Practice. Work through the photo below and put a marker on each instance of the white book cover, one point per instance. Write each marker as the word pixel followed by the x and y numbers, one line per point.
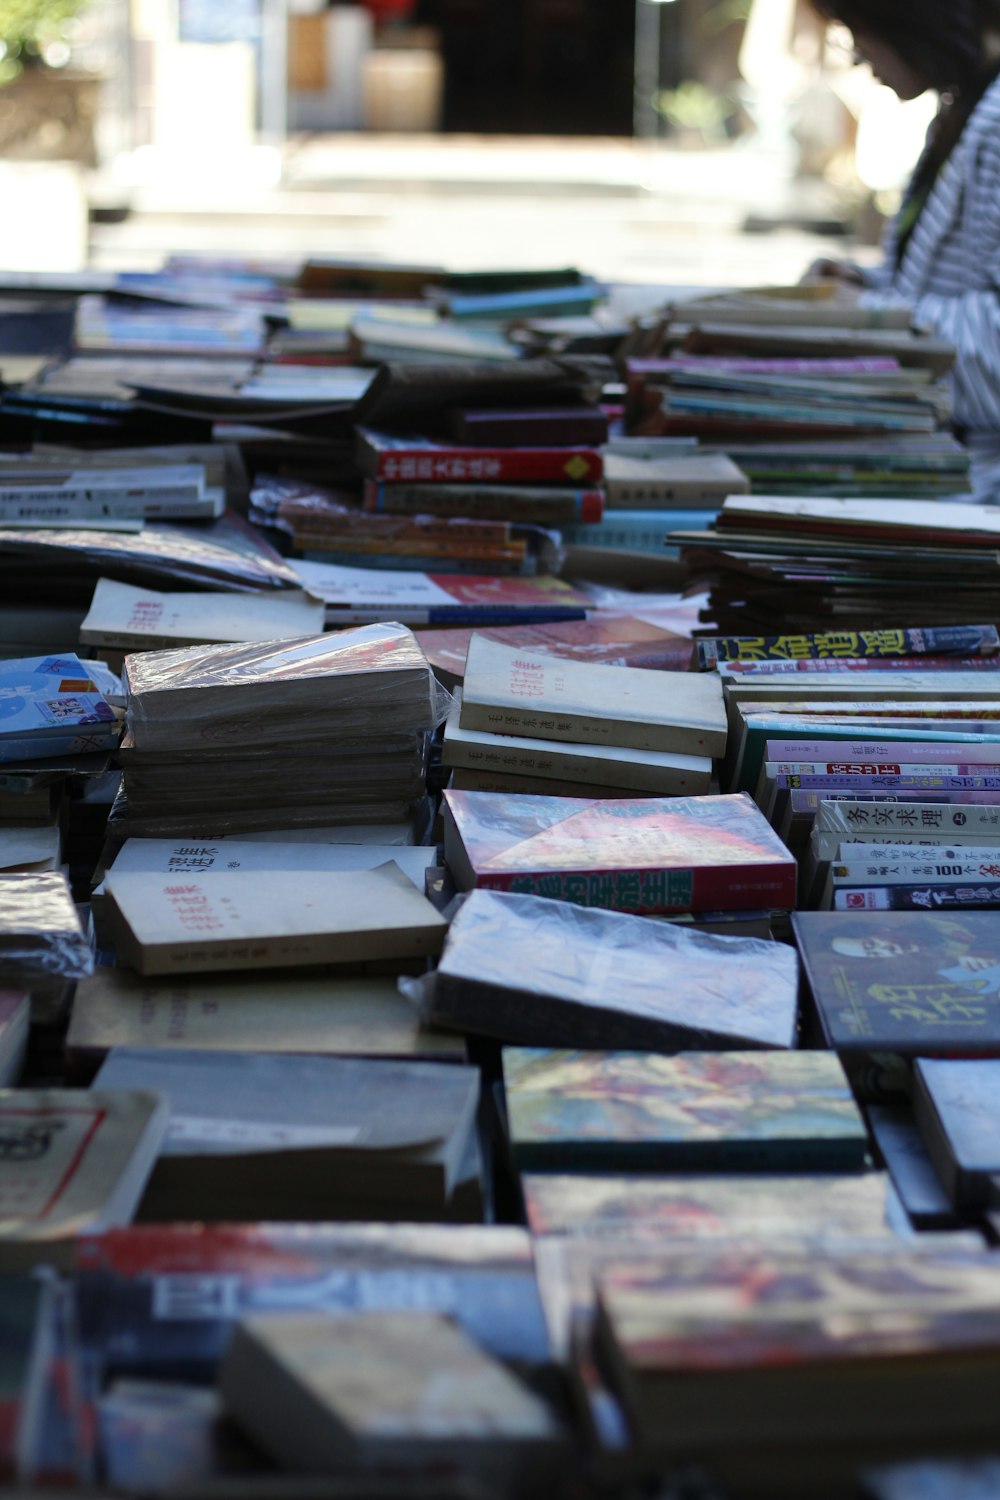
pixel 142 619
pixel 207 856
pixel 507 691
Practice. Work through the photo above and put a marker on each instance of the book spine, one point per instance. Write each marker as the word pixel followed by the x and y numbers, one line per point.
pixel 490 502
pixel 85 505
pixel 655 892
pixel 590 729
pixel 887 816
pixel 928 783
pixel 432 547
pixel 971 747
pixel 619 534
pixel 455 614
pixel 523 429
pixel 814 664
pixel 79 741
pixel 908 870
pixel 984 896
pixel 860 769
pixel 384 529
pixel 559 768
pixel 488 465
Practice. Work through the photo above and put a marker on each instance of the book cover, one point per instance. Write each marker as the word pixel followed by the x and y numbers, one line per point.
pixel 918 983
pixel 635 1111
pixel 625 641
pixel 962 896
pixel 352 595
pixel 258 919
pixel 364 1016
pixel 549 973
pixel 139 619
pixel 48 699
pixel 75 1161
pixel 644 855
pixel 516 692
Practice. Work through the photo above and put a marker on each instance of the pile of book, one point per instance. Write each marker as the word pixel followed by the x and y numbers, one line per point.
pixel 276 734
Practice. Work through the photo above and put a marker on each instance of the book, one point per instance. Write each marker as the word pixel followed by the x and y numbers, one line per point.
pixel 259 1135
pixel 909 983
pixel 535 972
pixel 960 896
pixel 696 1111
pixel 361 595
pixel 75 1161
pixel 51 705
pixel 143 1309
pixel 622 641
pixel 748 1350
pixel 211 693
pixel 688 481
pixel 644 855
pixel 33 849
pixel 359 1391
pixel 537 504
pixel 755 1206
pixel 958 640
pixel 136 619
pixel 15 1011
pixel 38 496
pixel 516 692
pixel 955 1105
pixel 43 945
pixel 656 772
pixel 538 427
pixel 362 1016
pixel 899 1144
pixel 27 1333
pixel 250 920
pixel 411 460
pixel 415 396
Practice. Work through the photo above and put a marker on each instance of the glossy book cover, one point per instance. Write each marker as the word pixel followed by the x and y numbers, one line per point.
pixel 913 982
pixel 629 854
pixel 636 1111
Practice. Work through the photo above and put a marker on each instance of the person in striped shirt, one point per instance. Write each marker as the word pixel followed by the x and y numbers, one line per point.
pixel 942 250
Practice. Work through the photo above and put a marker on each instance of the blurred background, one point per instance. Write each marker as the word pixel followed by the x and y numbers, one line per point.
pixel 690 141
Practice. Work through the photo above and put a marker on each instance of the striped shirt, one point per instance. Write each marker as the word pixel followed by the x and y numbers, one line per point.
pixel 950 275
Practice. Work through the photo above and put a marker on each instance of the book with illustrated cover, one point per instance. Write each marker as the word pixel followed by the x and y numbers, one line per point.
pixel 75 1161
pixel 507 691
pixel 752 1348
pixel 644 855
pixel 549 973
pixel 355 596
pixel 269 919
pixel 364 1016
pixel 913 983
pixel 639 1112
pixel 937 640
pixel 160 1300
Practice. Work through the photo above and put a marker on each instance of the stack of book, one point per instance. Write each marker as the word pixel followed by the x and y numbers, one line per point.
pixel 527 721
pixel 861 563
pixel 278 734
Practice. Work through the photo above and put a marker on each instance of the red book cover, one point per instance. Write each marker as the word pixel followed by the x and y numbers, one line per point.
pixel 648 855
pixel 408 459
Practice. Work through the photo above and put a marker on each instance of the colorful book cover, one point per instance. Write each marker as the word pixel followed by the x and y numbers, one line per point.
pixel 409 459
pixel 917 983
pixel 636 1111
pixel 48 696
pixel 643 855
pixel 941 640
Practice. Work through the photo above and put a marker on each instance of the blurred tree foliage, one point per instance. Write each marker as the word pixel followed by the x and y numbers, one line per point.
pixel 31 28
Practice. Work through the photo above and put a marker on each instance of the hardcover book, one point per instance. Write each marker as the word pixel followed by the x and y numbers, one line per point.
pixel 507 691
pixel 957 640
pixel 638 1112
pixel 261 919
pixel 643 855
pixel 912 983
pixel 411 459
pixel 548 973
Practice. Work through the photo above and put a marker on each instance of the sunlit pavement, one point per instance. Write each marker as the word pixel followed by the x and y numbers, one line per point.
pixel 627 211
